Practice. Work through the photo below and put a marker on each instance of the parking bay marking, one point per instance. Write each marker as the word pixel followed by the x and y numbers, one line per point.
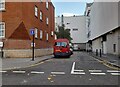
pixel 58 73
pixel 115 74
pixel 112 71
pixel 3 71
pixel 35 72
pixel 73 71
pixel 95 70
pixel 18 71
pixel 97 73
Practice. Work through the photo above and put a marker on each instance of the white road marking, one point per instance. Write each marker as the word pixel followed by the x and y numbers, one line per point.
pixel 78 70
pixel 73 66
pixel 18 71
pixel 57 72
pixel 95 70
pixel 73 71
pixel 80 73
pixel 116 74
pixel 112 71
pixel 97 73
pixel 3 71
pixel 35 72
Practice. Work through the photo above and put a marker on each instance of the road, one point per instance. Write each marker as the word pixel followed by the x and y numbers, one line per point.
pixel 79 69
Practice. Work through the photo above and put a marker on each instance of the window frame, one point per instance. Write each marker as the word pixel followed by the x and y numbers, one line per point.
pixel 36 33
pixel 2 4
pixel 2 30
pixel 47 36
pixel 47 20
pixel 36 11
pixel 41 15
pixel 47 4
pixel 41 34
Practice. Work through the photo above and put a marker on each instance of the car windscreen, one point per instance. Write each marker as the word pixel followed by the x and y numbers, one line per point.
pixel 63 44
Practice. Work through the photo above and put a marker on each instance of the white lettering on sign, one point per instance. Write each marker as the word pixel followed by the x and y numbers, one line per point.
pixel 32 44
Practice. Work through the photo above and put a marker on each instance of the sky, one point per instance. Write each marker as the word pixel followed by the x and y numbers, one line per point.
pixel 70 7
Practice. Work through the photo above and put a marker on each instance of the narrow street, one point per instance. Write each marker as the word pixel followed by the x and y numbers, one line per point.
pixel 79 69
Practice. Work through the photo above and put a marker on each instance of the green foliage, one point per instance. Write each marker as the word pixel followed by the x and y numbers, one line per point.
pixel 63 33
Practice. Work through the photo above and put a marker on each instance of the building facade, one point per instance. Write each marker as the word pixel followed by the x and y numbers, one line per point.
pixel 104 27
pixel 76 25
pixel 17 20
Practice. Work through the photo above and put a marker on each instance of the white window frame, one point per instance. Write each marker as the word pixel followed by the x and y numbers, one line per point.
pixel 36 33
pixel 41 34
pixel 47 21
pixel 2 5
pixel 47 4
pixel 52 33
pixel 36 11
pixel 41 15
pixel 2 30
pixel 47 36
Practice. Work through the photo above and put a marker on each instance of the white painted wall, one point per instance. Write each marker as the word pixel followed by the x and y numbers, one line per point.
pixel 103 17
pixel 96 44
pixel 77 22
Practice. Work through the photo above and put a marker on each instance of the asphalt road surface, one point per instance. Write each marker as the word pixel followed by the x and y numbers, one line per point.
pixel 79 69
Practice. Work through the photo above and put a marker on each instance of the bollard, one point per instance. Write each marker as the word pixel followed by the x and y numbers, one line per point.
pixel 100 53
pixel 96 52
pixel 2 53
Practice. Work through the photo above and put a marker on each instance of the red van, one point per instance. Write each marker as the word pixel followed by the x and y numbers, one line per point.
pixel 62 48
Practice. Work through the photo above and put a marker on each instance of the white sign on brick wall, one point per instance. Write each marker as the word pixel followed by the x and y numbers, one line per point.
pixel 1 44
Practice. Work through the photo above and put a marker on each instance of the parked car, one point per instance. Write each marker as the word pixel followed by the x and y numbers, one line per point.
pixel 62 48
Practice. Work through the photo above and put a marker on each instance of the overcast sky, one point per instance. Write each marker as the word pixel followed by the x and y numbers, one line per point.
pixel 70 7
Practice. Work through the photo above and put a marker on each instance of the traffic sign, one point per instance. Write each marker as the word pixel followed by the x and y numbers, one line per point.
pixel 32 32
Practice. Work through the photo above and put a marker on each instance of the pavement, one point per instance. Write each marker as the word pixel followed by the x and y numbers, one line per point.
pixel 108 58
pixel 17 63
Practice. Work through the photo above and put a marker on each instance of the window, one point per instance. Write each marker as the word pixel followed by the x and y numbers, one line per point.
pixel 2 5
pixel 114 47
pixel 63 44
pixel 36 11
pixel 104 38
pixel 52 33
pixel 36 33
pixel 75 29
pixel 40 0
pixel 47 21
pixel 47 36
pixel 47 4
pixel 41 34
pixel 40 15
pixel 2 29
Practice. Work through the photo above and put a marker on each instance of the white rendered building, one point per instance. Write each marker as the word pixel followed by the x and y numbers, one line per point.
pixel 105 27
pixel 76 25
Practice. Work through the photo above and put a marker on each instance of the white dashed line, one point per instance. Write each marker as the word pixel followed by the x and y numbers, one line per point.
pixel 3 71
pixel 78 70
pixel 97 73
pixel 112 71
pixel 95 70
pixel 79 73
pixel 57 72
pixel 18 71
pixel 35 72
pixel 115 74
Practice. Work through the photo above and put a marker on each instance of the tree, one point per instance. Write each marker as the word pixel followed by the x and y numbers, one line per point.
pixel 63 33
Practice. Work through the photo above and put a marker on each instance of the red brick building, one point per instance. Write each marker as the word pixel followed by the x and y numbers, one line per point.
pixel 16 20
